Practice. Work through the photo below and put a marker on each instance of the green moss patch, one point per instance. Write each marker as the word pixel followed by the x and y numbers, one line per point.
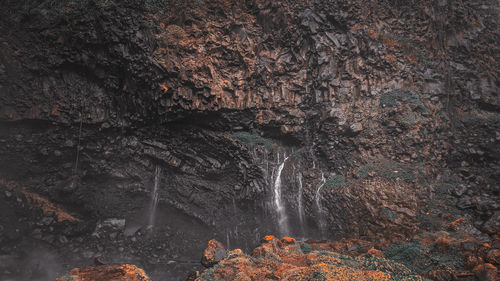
pixel 251 139
pixel 387 169
pixel 336 181
pixel 391 99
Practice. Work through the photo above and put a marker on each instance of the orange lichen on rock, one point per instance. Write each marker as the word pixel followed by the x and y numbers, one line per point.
pixel 442 244
pixel 214 252
pixel 120 272
pixel 236 252
pixel 268 237
pixel 338 273
pixel 164 87
pixel 375 253
pixel 47 207
pixel 289 240
pixel 291 260
pixel 453 226
pixel 41 202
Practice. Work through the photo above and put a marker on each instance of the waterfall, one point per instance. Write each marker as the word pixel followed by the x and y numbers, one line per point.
pixel 154 198
pixel 280 208
pixel 228 243
pixel 300 204
pixel 313 156
pixel 317 198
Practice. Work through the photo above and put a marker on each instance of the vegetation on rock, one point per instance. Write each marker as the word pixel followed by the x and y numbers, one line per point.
pixel 288 259
pixel 251 139
pixel 122 272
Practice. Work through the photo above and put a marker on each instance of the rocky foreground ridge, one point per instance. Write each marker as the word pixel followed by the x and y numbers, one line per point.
pixel 288 259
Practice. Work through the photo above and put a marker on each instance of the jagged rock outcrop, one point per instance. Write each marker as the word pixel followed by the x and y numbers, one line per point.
pixel 213 254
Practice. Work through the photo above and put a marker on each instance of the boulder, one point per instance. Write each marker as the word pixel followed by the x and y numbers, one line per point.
pixel 214 253
pixel 486 272
pixel 119 272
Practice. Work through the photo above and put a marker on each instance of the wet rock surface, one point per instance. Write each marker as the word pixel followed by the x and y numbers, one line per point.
pixel 387 111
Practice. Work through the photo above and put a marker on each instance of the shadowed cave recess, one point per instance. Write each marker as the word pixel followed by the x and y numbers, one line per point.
pixel 133 132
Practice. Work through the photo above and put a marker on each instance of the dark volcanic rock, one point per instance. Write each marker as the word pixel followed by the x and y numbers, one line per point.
pixel 388 112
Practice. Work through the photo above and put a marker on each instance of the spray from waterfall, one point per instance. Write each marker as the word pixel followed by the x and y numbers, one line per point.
pixel 155 196
pixel 321 215
pixel 280 208
pixel 75 170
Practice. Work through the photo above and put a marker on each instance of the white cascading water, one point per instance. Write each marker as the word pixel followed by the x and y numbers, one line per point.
pixel 155 196
pixel 280 208
pixel 300 204
pixel 317 198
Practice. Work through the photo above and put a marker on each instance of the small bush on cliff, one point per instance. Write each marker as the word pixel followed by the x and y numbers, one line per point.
pixel 398 271
pixel 68 277
pixel 424 59
pixel 364 170
pixel 390 99
pixel 410 254
pixel 388 214
pixel 209 274
pixel 318 276
pixel 387 169
pixel 327 253
pixel 423 259
pixel 251 139
pixel 306 248
pixel 336 181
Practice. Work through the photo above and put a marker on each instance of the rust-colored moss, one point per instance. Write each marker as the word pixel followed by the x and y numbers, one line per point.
pixel 38 201
pixel 289 240
pixel 453 226
pixel 121 272
pixel 164 88
pixel 269 237
pixel 284 260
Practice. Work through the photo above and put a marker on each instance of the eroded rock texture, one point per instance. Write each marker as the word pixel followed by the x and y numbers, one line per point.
pixel 388 112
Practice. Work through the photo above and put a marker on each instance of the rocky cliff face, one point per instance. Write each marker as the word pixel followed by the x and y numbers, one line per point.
pixel 388 113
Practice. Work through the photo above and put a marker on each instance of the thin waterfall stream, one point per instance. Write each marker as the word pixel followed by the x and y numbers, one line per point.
pixel 300 204
pixel 280 208
pixel 154 198
pixel 317 198
pixel 288 184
